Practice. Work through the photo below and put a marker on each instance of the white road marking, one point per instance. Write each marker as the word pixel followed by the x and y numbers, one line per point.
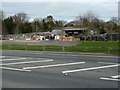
pixel 54 65
pixel 87 69
pixel 16 59
pixel 15 69
pixel 108 56
pixel 12 59
pixel 97 56
pixel 28 62
pixel 2 56
pixel 65 54
pixel 101 56
pixel 117 76
pixel 110 79
pixel 107 63
pixel 83 55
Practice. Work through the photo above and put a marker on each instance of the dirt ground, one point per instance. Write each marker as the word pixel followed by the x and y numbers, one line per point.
pixel 33 42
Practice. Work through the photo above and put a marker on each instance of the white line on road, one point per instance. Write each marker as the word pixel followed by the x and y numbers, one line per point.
pixel 83 55
pixel 13 59
pixel 87 69
pixel 110 79
pixel 101 56
pixel 107 63
pixel 19 59
pixel 27 62
pixel 2 56
pixel 55 65
pixel 117 76
pixel 15 69
pixel 108 56
pixel 97 56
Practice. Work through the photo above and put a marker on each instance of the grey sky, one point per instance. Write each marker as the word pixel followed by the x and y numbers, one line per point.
pixel 61 10
pixel 60 0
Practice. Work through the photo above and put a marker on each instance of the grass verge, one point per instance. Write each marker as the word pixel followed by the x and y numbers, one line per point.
pixel 92 47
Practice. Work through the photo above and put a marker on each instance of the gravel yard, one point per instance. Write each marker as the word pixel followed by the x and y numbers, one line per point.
pixel 47 43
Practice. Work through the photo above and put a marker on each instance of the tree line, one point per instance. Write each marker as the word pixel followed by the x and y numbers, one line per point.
pixel 19 23
pixel 89 21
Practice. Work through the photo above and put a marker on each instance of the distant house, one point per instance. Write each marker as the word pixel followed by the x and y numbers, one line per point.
pixel 114 36
pixel 57 32
pixel 70 31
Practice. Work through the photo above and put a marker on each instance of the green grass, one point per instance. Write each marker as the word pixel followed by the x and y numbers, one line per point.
pixel 32 47
pixel 96 47
pixel 99 44
pixel 92 47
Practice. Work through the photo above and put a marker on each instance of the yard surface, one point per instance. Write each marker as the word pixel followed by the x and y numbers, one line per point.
pixel 40 43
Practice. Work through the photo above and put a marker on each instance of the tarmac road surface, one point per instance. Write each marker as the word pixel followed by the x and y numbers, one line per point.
pixel 31 69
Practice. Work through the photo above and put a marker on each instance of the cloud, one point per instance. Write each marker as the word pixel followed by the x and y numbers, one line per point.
pixel 60 0
pixel 62 10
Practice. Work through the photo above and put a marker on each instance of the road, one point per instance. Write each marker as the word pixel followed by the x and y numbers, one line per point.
pixel 33 69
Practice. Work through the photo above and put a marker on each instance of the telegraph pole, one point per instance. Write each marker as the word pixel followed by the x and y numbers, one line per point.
pixel 119 13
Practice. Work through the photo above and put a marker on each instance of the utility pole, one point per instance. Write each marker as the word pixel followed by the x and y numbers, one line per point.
pixel 119 13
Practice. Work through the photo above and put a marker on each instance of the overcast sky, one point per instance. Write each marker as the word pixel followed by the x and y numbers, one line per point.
pixel 60 0
pixel 61 9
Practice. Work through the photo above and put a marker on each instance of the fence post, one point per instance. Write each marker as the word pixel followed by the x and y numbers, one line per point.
pixel 63 48
pixel 9 46
pixel 25 46
pixel 108 49
pixel 43 48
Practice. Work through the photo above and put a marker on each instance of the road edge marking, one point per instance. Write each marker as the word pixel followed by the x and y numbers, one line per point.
pixel 15 69
pixel 110 79
pixel 12 59
pixel 49 60
pixel 88 69
pixel 107 63
pixel 54 65
pixel 116 76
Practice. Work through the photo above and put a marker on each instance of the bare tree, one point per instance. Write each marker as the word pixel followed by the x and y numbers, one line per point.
pixel 88 22
pixel 90 16
pixel 114 20
pixel 19 19
pixel 37 24
pixel 60 24
pixel 85 20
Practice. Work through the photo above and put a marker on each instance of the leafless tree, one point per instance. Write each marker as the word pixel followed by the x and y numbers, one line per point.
pixel 90 15
pixel 19 19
